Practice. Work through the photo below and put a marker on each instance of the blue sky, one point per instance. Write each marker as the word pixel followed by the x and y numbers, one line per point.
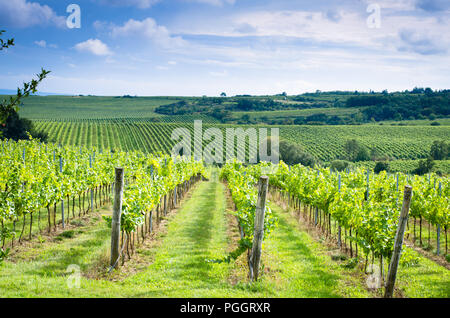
pixel 204 47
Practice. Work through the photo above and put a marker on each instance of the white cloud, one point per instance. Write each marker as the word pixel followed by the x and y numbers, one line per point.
pixel 400 5
pixel 142 4
pixel 22 14
pixel 218 3
pixel 148 29
pixel 41 43
pixel 219 74
pixel 94 46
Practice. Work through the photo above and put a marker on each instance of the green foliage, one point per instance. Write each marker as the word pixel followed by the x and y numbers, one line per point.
pixel 293 154
pixel 374 218
pixel 5 44
pixel 16 128
pixel 4 254
pixel 425 166
pixel 409 259
pixel 355 151
pixel 31 178
pixel 67 234
pixel 439 150
pixel 381 166
pixel 10 105
pixel 242 184
pixel 339 165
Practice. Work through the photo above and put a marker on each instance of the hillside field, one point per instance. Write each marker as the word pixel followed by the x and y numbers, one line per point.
pixel 132 124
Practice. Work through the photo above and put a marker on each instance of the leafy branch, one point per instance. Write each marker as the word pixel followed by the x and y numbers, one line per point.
pixel 8 106
pixel 8 43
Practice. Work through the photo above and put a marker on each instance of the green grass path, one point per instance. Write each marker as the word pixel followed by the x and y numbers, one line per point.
pixel 303 267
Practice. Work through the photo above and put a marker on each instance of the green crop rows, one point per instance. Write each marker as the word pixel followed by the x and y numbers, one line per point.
pixel 325 142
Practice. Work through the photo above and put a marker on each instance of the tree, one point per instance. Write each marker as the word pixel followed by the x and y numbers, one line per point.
pixel 18 128
pixel 293 154
pixel 439 150
pixel 355 151
pixel 363 154
pixel 339 165
pixel 425 166
pixel 10 106
pixel 351 148
pixel 381 166
pixel 223 94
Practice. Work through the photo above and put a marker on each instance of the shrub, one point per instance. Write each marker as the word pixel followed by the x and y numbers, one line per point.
pixel 381 166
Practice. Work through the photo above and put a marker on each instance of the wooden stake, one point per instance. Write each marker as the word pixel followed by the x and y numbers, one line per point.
pixel 258 233
pixel 117 212
pixel 398 242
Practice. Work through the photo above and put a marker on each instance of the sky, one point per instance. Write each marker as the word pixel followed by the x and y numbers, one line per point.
pixel 205 47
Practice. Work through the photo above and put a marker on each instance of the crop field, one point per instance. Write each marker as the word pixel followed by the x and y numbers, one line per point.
pixel 407 165
pixel 325 142
pixel 281 114
pixel 399 142
pixel 91 107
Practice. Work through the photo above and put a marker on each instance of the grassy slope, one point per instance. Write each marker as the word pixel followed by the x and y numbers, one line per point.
pixel 325 142
pixel 90 107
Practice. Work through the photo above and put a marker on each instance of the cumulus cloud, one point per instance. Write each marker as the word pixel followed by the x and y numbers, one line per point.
pixel 333 15
pixel 94 46
pixel 22 14
pixel 218 3
pixel 421 43
pixel 41 43
pixel 245 28
pixel 142 4
pixel 150 30
pixel 433 5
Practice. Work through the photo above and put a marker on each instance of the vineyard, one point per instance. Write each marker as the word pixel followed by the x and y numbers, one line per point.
pixel 324 142
pixel 47 188
pixel 357 202
pixel 36 177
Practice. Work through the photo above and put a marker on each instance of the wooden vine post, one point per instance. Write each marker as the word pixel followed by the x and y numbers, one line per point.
pixel 389 291
pixel 258 234
pixel 117 212
pixel 62 199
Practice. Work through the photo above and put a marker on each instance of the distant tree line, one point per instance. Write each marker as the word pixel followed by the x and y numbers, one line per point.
pixel 418 103
pixel 428 104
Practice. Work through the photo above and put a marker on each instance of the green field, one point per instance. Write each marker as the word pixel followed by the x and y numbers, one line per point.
pixel 131 124
pixel 91 107
pixel 283 114
pixel 324 142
